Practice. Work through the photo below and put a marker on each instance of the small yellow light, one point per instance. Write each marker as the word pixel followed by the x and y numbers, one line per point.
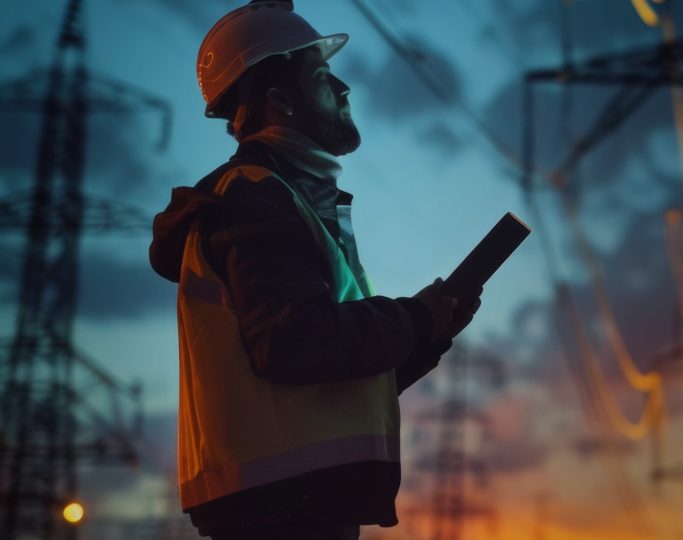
pixel 73 512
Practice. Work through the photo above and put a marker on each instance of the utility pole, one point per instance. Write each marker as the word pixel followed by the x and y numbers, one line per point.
pixel 48 423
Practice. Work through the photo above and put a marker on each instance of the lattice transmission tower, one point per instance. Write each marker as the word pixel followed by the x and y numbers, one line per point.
pixel 57 407
pixel 459 475
pixel 634 76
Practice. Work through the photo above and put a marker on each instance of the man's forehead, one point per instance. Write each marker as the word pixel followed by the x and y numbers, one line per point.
pixel 314 57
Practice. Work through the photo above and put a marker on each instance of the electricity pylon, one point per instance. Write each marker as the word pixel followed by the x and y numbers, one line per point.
pixel 49 424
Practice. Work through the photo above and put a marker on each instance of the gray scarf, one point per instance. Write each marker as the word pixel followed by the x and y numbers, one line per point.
pixel 301 151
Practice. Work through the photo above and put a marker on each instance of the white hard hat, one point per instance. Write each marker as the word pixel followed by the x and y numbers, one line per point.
pixel 249 34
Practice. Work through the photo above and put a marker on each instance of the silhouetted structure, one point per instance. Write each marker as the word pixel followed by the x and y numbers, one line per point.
pixel 44 415
pixel 450 463
pixel 636 75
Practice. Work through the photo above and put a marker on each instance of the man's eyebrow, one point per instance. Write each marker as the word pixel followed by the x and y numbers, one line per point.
pixel 320 66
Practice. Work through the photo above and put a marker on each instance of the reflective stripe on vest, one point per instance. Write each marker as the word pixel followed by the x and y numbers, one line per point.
pixel 236 430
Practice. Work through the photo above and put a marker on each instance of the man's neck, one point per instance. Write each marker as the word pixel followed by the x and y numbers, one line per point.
pixel 300 151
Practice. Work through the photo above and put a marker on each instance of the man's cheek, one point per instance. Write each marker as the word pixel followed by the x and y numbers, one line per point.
pixel 326 100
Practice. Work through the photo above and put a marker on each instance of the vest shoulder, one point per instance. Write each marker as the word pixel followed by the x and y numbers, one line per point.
pixel 249 200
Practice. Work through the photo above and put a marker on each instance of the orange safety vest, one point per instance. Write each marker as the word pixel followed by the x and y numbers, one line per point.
pixel 236 430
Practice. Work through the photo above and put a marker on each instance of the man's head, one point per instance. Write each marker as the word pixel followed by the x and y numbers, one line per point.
pixel 264 65
pixel 299 92
pixel 321 110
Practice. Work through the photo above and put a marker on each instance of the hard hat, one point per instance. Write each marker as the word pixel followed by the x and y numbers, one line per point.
pixel 249 34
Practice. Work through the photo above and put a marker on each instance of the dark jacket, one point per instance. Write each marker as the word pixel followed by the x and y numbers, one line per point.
pixel 293 329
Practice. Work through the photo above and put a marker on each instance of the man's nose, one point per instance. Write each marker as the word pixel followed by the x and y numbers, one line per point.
pixel 341 87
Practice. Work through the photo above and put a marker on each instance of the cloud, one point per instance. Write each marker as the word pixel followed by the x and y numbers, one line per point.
pixel 20 38
pixel 513 443
pixel 589 447
pixel 109 287
pixel 555 126
pixel 118 166
pixel 442 138
pixel 622 191
pixel 199 15
pixel 563 113
pixel 156 456
pixel 594 27
pixel 120 497
pixel 18 147
pixel 397 93
pixel 119 151
pixel 115 288
pixel 639 285
pixel 401 7
pixel 514 456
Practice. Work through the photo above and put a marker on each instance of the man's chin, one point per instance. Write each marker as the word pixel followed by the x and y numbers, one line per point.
pixel 339 137
pixel 345 140
pixel 347 146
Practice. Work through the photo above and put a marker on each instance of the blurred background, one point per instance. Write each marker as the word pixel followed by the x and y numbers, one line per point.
pixel 559 412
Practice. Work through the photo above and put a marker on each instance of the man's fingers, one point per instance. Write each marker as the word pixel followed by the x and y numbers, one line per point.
pixel 469 305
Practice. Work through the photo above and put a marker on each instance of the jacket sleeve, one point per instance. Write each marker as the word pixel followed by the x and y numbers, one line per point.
pixel 420 363
pixel 292 327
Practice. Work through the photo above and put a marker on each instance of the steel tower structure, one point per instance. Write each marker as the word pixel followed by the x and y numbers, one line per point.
pixel 447 461
pixel 48 424
pixel 636 75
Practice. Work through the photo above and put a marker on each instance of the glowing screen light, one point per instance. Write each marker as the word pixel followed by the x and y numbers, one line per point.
pixel 73 512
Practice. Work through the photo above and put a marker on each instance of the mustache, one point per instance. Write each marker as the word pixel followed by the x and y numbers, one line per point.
pixel 343 102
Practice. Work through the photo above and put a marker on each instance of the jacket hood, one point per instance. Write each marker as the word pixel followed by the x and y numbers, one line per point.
pixel 172 226
pixel 191 204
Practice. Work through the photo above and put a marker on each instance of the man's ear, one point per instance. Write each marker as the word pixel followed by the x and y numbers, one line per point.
pixel 280 101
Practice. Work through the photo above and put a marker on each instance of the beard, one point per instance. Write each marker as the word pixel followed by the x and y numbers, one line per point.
pixel 339 138
pixel 333 131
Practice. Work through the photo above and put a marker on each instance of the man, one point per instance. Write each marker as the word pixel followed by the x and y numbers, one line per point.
pixel 290 365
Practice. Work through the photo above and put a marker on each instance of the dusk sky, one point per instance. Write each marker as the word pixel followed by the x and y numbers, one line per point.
pixel 429 180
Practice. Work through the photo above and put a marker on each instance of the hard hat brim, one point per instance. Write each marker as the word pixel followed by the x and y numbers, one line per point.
pixel 331 45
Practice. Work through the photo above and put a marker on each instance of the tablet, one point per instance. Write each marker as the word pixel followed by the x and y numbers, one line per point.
pixel 483 261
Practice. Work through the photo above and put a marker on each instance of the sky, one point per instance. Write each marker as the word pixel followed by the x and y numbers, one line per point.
pixel 429 180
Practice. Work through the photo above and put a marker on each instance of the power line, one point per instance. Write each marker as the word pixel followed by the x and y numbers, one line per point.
pixel 414 60
pixel 604 405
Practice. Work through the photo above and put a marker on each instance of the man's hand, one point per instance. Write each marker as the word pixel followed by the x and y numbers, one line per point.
pixel 464 312
pixel 451 315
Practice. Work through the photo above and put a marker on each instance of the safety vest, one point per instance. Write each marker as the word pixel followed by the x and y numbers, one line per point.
pixel 236 430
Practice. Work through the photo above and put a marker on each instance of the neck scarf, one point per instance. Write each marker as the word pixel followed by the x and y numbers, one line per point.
pixel 300 151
